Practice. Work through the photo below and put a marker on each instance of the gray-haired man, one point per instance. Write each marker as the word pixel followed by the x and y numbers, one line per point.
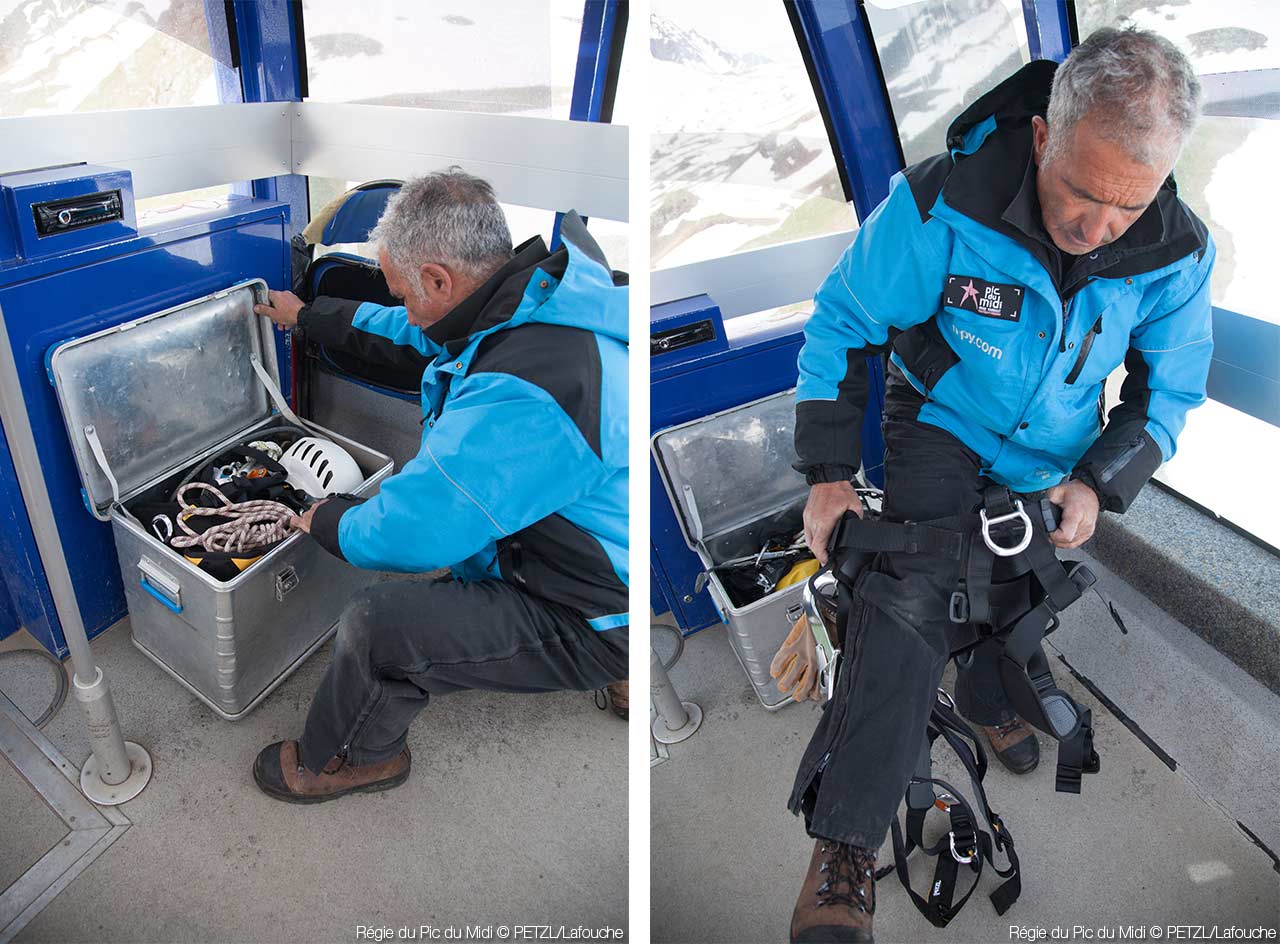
pixel 519 485
pixel 1010 276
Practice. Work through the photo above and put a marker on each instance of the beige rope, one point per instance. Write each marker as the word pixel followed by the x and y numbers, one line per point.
pixel 252 524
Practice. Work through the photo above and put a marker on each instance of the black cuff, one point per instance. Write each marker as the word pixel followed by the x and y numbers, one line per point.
pixel 324 523
pixel 1118 469
pixel 327 320
pixel 1085 477
pixel 822 474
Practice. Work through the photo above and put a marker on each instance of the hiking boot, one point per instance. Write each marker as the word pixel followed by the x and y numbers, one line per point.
pixel 280 774
pixel 838 897
pixel 619 698
pixel 1015 744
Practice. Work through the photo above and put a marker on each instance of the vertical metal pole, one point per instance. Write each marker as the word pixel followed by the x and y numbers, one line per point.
pixel 844 68
pixel 677 720
pixel 1049 28
pixel 595 80
pixel 115 771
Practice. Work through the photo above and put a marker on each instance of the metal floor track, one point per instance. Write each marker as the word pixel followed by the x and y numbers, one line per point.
pixel 91 829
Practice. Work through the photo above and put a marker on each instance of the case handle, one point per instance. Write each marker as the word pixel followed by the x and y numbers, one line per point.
pixel 95 445
pixel 159 584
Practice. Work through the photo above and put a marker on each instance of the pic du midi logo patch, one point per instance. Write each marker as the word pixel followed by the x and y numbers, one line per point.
pixel 989 299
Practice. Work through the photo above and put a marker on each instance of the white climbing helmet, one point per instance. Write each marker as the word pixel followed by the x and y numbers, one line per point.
pixel 320 467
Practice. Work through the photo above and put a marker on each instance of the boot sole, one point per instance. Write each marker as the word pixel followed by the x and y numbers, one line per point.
pixel 1026 769
pixel 376 786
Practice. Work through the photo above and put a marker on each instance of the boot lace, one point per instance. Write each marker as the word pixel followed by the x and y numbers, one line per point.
pixel 850 872
pixel 1010 726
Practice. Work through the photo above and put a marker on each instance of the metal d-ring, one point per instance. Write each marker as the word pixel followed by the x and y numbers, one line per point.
pixel 955 853
pixel 1018 514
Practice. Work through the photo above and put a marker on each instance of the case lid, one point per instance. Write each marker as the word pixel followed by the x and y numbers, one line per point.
pixel 731 468
pixel 153 394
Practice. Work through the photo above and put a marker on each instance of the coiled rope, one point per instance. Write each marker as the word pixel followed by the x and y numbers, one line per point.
pixel 251 524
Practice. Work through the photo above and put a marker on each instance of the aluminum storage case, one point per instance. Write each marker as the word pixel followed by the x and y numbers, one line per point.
pixel 153 397
pixel 730 480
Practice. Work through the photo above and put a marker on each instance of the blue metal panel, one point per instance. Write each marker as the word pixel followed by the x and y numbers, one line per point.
pixel 8 618
pixel 44 303
pixel 22 191
pixel 680 314
pixel 22 585
pixel 1049 28
pixel 841 55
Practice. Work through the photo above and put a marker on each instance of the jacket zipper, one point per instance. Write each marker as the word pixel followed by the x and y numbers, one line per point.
pixel 1062 341
pixel 1112 468
pixel 1085 346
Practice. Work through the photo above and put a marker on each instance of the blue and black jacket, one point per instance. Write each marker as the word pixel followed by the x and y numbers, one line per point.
pixel 522 471
pixel 1010 340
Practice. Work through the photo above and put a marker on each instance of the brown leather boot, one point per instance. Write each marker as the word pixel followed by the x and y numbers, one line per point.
pixel 619 698
pixel 838 897
pixel 1015 744
pixel 280 774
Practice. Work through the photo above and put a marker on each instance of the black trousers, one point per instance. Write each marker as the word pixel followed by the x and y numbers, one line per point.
pixel 855 770
pixel 403 641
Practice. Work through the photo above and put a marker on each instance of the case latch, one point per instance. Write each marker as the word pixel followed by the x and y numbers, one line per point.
pixel 286 580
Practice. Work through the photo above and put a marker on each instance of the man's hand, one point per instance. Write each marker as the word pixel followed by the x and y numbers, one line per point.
pixel 828 501
pixel 303 523
pixel 283 309
pixel 1079 504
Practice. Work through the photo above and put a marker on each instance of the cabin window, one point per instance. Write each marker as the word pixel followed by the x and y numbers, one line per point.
pixel 104 55
pixel 491 56
pixel 1223 36
pixel 739 153
pixel 938 56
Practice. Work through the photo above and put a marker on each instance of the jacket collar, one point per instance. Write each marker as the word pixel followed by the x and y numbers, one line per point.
pixel 494 300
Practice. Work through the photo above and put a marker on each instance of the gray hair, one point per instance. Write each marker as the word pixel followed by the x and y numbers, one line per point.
pixel 450 218
pixel 1137 88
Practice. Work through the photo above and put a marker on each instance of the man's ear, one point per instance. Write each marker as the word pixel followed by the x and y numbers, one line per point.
pixel 1039 138
pixel 437 281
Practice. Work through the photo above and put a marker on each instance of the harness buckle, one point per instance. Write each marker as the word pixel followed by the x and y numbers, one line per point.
pixel 958 611
pixel 1018 514
pixel 969 855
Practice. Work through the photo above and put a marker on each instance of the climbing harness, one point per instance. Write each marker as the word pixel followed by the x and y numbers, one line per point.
pixel 975 834
pixel 1018 610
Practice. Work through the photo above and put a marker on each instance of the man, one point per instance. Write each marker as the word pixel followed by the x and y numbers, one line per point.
pixel 520 484
pixel 1010 276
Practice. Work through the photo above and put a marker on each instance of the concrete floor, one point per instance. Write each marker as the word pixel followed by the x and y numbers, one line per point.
pixel 1142 845
pixel 516 812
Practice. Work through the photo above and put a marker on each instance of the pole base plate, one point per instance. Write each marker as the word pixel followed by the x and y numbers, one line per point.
pixel 113 794
pixel 664 735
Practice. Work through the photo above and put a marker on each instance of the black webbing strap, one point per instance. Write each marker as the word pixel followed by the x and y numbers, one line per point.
pixel 944 537
pixel 941 905
pixel 1076 756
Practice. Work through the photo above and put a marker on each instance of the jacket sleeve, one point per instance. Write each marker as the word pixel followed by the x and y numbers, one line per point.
pixel 378 335
pixel 1168 368
pixel 502 456
pixel 889 279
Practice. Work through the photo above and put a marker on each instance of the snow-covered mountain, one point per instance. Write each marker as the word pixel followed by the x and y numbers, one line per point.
pixel 670 42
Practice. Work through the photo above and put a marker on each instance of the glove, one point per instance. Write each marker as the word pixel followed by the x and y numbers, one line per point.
pixel 795 667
